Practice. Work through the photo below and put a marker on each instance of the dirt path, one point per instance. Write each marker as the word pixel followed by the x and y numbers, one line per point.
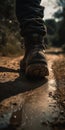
pixel 32 105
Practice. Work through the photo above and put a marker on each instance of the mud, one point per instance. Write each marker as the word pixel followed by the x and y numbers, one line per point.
pixel 32 105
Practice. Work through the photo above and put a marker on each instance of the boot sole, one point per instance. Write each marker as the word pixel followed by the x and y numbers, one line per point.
pixel 37 70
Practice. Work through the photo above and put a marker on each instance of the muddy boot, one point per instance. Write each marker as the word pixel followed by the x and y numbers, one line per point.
pixel 34 63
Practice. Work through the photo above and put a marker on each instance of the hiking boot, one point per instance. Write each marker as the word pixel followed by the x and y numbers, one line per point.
pixel 34 63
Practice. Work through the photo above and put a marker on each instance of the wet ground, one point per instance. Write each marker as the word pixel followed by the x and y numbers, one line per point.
pixel 32 104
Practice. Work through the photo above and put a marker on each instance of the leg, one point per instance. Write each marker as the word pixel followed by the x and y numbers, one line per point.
pixel 30 17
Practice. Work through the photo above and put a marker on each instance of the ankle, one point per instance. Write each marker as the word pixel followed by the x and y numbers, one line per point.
pixel 34 40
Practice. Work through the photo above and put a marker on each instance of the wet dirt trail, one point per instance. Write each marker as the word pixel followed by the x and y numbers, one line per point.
pixel 32 105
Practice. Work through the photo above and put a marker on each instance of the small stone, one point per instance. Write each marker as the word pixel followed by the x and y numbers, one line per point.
pixel 14 103
pixel 62 112
pixel 15 116
pixel 64 102
pixel 50 94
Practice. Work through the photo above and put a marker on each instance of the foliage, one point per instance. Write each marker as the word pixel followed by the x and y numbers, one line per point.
pixel 10 38
pixel 56 25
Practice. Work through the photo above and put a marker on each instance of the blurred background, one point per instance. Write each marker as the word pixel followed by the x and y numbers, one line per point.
pixel 54 17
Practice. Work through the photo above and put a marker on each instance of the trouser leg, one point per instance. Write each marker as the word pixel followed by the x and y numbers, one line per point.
pixel 30 16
